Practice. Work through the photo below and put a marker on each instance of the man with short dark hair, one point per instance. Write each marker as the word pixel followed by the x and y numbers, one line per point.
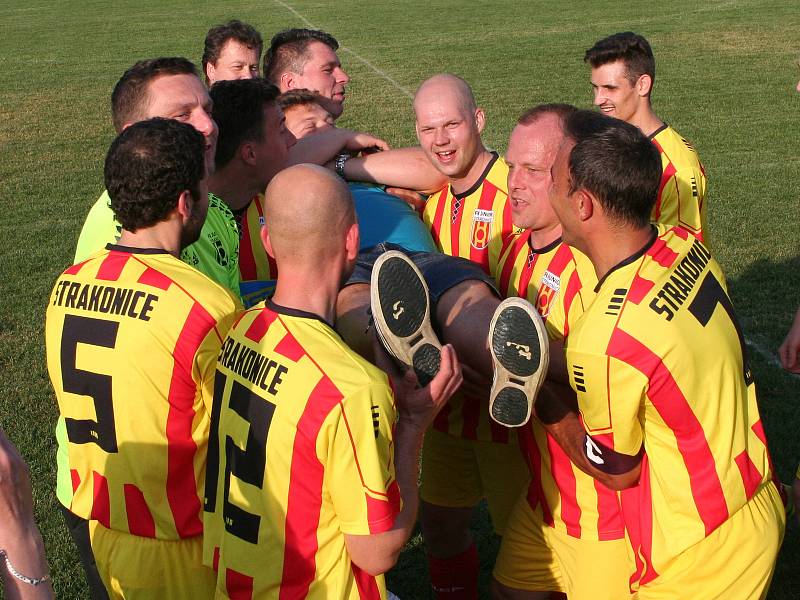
pixel 623 75
pixel 253 147
pixel 132 336
pixel 307 59
pixel 231 51
pixel 668 411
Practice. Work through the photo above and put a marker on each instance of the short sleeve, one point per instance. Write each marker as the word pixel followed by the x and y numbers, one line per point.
pixel 610 396
pixel 359 466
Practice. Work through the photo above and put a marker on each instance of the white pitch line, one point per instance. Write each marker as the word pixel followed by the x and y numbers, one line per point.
pixel 770 357
pixel 355 55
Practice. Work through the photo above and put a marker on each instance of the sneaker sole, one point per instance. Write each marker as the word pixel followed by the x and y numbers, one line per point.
pixel 520 352
pixel 401 309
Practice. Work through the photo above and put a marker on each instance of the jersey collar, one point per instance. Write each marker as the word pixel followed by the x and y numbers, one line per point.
pixel 653 135
pixel 632 258
pixel 131 250
pixel 483 176
pixel 294 312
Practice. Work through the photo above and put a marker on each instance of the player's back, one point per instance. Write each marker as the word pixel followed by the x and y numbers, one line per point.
pixel 303 456
pixel 682 192
pixel 128 332
pixel 662 346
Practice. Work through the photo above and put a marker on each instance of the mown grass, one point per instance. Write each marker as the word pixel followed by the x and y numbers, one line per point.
pixel 726 77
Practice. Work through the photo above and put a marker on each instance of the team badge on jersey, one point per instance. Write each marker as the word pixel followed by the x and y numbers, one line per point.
pixel 551 284
pixel 481 228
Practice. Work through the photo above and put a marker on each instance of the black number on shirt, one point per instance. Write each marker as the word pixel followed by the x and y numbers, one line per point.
pixel 247 465
pixel 97 332
pixel 710 294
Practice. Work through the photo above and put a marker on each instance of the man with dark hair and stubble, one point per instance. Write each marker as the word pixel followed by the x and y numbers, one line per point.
pixel 623 75
pixel 668 410
pixel 307 59
pixel 169 87
pixel 231 51
pixel 132 336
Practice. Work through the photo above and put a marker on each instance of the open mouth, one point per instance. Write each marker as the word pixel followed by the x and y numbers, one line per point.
pixel 446 156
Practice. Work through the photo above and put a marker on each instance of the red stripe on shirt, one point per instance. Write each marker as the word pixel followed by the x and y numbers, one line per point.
pixel 238 585
pixel 182 495
pixel 470 416
pixel 640 287
pixel 247 259
pixel 481 255
pixel 260 325
pixel 436 224
pixel 112 266
pixel 367 584
pixel 637 511
pixel 504 279
pixel 564 476
pixel 525 277
pixel 610 525
pixel 74 269
pixel 101 505
pixel 76 479
pixel 574 286
pixel 533 457
pixel 667 175
pixel 290 348
pixel 661 253
pixel 305 493
pixel 155 279
pixel 508 227
pixel 455 227
pixel 140 519
pixel 751 478
pixel 690 438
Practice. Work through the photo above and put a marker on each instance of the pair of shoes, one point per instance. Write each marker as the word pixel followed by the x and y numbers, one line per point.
pixel 517 337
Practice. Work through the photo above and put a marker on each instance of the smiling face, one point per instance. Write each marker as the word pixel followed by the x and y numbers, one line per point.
pixel 614 94
pixel 236 61
pixel 448 130
pixel 532 149
pixel 322 73
pixel 184 98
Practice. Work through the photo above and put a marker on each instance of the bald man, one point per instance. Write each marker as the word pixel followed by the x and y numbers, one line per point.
pixel 312 483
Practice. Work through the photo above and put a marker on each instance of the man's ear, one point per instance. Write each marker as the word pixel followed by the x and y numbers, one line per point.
pixel 265 239
pixel 585 204
pixel 352 241
pixel 480 119
pixel 247 153
pixel 185 205
pixel 286 81
pixel 211 71
pixel 644 85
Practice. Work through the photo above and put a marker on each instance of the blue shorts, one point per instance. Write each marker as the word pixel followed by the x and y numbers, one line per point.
pixel 441 272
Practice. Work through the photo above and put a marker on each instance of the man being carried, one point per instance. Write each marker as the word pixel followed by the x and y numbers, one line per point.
pixel 668 410
pixel 132 336
pixel 313 459
pixel 231 51
pixel 623 74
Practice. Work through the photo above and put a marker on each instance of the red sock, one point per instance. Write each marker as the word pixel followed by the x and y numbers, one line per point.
pixel 455 578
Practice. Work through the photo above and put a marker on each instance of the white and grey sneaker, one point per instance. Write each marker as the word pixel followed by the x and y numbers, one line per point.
pixel 521 353
pixel 401 308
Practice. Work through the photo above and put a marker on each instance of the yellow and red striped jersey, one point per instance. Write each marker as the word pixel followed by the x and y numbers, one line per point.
pixel 682 192
pixel 658 361
pixel 132 338
pixel 257 269
pixel 475 224
pixel 302 454
pixel 559 281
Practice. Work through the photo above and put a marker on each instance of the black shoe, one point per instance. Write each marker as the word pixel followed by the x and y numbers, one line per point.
pixel 521 353
pixel 401 309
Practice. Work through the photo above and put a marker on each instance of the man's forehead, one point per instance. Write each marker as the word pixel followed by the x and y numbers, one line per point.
pixel 320 52
pixel 176 89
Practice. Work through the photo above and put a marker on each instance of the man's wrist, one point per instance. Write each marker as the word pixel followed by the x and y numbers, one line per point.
pixel 339 164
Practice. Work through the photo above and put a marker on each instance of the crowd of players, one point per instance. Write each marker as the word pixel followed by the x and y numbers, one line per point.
pixel 570 351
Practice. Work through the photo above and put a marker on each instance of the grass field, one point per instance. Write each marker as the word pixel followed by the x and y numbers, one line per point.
pixel 726 76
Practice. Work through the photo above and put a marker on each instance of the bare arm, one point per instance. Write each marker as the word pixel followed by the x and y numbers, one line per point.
pixel 19 536
pixel 377 553
pixel 323 147
pixel 557 409
pixel 402 167
pixel 790 348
